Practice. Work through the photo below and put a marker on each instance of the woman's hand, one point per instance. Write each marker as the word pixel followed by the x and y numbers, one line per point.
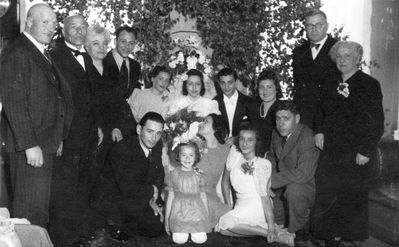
pixel 319 140
pixel 361 159
pixel 271 235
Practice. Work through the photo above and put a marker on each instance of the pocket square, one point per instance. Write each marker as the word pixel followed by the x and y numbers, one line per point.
pixel 245 117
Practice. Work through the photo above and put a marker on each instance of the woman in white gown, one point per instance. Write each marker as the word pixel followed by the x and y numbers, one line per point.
pixel 193 91
pixel 249 175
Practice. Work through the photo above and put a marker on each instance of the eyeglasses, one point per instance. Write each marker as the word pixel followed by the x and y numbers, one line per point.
pixel 316 26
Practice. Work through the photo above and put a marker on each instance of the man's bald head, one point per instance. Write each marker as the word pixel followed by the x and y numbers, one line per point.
pixel 41 22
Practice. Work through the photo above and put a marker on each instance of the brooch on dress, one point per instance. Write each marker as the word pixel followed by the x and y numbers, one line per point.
pixel 248 168
pixel 197 171
pixel 343 89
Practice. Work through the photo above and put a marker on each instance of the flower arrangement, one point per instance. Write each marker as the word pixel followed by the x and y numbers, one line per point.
pixel 188 56
pixel 197 171
pixel 248 168
pixel 343 89
pixel 181 127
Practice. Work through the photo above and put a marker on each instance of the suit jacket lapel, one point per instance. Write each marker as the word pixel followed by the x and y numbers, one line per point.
pixel 41 61
pixel 291 141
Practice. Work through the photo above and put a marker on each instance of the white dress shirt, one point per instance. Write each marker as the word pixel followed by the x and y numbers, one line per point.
pixel 230 104
pixel 315 51
pixel 79 58
pixel 37 44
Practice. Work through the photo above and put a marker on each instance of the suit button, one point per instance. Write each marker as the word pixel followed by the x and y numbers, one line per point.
pixel 62 115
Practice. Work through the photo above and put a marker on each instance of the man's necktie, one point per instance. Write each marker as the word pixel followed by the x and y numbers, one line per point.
pixel 314 45
pixel 46 53
pixel 76 52
pixel 283 141
pixel 149 157
pixel 124 74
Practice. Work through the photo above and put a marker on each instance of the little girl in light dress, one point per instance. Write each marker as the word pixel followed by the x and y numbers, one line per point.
pixel 249 175
pixel 187 210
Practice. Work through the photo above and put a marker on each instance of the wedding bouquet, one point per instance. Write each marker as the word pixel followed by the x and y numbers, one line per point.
pixel 181 127
pixel 188 56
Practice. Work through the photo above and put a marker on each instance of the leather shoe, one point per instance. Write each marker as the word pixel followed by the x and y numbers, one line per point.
pixel 119 236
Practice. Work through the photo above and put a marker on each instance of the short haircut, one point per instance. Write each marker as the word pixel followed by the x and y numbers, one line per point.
pixel 287 105
pixel 188 144
pixel 248 126
pixel 127 29
pixel 269 74
pixel 159 69
pixel 226 72
pixel 153 116
pixel 219 126
pixel 355 47
pixel 69 18
pixel 94 30
pixel 314 12
pixel 194 72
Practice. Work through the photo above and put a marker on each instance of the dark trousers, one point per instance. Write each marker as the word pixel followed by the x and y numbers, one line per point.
pixel 293 204
pixel 341 208
pixel 70 215
pixel 31 188
pixel 143 223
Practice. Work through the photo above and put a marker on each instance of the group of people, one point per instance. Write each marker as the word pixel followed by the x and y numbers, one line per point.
pixel 84 139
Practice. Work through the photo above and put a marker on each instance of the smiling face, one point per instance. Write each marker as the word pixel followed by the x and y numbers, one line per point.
pixel 347 60
pixel 316 27
pixel 267 90
pixel 41 23
pixel 96 46
pixel 247 143
pixel 125 43
pixel 286 122
pixel 150 133
pixel 228 85
pixel 187 157
pixel 74 31
pixel 194 86
pixel 161 82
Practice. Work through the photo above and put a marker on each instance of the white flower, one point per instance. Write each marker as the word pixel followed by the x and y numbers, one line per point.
pixel 192 62
pixel 180 57
pixel 184 77
pixel 343 89
pixel 207 70
pixel 172 64
pixel 172 125
pixel 192 39
pixel 201 58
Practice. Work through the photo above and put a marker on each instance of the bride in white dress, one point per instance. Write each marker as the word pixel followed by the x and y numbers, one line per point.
pixel 193 91
pixel 249 175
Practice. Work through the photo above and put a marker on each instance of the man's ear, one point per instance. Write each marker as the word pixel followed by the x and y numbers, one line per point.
pixel 138 129
pixel 297 118
pixel 29 22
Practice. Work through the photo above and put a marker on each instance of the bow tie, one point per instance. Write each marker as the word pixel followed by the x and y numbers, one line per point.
pixel 314 45
pixel 76 52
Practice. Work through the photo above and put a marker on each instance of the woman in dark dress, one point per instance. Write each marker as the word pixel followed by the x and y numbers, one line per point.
pixel 348 128
pixel 269 91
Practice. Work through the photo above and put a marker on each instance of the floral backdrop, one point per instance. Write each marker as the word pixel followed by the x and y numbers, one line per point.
pixel 246 35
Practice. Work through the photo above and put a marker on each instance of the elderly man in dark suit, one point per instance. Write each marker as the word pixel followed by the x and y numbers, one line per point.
pixel 312 66
pixel 294 157
pixel 234 106
pixel 124 73
pixel 130 195
pixel 72 170
pixel 38 106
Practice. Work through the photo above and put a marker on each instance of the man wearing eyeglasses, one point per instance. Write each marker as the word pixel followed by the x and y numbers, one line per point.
pixel 312 66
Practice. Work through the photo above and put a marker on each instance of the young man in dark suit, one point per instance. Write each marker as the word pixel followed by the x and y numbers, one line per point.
pixel 130 194
pixel 124 73
pixel 312 66
pixel 38 105
pixel 294 158
pixel 233 105
pixel 72 170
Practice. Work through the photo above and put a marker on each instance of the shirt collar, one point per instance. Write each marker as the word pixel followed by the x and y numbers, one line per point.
pixel 38 45
pixel 233 98
pixel 145 149
pixel 321 42
pixel 74 47
pixel 118 58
